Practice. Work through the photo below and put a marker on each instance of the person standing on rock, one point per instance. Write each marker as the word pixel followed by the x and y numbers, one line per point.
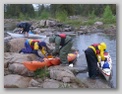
pixel 24 27
pixel 35 47
pixel 63 44
pixel 94 54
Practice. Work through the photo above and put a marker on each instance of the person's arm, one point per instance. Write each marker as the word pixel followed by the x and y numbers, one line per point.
pixel 57 45
pixel 102 54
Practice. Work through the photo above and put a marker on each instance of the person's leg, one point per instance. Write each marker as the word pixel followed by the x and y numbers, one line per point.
pixel 91 62
pixel 64 53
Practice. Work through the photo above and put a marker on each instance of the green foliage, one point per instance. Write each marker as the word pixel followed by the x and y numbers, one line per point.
pixel 61 16
pixel 19 10
pixel 89 22
pixel 21 16
pixel 42 73
pixel 108 17
pixel 65 85
pixel 75 23
pixel 92 15
pixel 45 15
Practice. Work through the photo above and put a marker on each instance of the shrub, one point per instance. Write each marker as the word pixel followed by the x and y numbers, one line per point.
pixel 92 15
pixel 108 17
pixel 41 73
pixel 61 16
pixel 45 15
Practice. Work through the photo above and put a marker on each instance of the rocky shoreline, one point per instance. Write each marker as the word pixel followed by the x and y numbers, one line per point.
pixel 17 76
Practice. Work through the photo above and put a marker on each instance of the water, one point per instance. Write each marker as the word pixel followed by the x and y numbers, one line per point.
pixel 83 41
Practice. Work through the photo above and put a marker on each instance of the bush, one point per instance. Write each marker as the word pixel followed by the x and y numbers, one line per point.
pixel 92 15
pixel 61 16
pixel 108 17
pixel 75 23
pixel 45 15
pixel 42 73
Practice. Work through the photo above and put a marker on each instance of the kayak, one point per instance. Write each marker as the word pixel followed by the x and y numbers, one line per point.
pixel 47 62
pixel 31 35
pixel 105 67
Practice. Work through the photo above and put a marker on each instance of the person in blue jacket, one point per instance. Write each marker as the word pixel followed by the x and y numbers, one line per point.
pixel 24 27
pixel 33 46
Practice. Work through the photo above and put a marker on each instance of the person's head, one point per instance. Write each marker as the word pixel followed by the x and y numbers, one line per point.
pixel 42 44
pixel 18 25
pixel 52 39
pixel 103 45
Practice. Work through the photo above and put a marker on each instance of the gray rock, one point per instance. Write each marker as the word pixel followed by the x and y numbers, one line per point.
pixel 61 73
pixel 16 81
pixel 50 83
pixel 33 83
pixel 18 58
pixel 16 44
pixel 18 68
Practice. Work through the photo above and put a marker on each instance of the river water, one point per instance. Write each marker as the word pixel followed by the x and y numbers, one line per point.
pixel 81 43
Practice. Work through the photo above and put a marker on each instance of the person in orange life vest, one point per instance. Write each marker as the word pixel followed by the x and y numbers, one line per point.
pixel 63 44
pixel 94 54
pixel 33 46
pixel 24 27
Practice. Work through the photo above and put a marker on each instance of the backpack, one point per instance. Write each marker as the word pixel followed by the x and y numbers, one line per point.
pixel 63 37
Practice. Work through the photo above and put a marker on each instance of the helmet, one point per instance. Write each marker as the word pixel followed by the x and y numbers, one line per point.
pixel 103 45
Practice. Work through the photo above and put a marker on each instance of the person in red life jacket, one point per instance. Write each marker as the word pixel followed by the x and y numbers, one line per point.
pixel 94 54
pixel 63 44
pixel 24 27
pixel 34 46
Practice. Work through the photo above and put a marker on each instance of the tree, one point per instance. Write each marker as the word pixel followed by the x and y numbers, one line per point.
pixel 14 10
pixel 108 15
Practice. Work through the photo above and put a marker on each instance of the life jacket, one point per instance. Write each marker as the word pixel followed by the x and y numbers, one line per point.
pixel 63 37
pixel 96 48
pixel 33 42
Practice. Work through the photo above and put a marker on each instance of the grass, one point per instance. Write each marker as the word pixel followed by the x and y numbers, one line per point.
pixel 41 73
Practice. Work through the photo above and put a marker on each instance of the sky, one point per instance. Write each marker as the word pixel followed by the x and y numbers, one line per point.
pixel 36 6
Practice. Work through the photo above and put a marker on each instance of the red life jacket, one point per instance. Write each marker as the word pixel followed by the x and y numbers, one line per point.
pixel 62 36
pixel 96 48
pixel 32 43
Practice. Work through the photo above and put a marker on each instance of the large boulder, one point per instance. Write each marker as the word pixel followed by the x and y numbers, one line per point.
pixel 34 83
pixel 51 83
pixel 16 44
pixel 50 23
pixel 18 68
pixel 18 58
pixel 43 23
pixel 62 74
pixel 16 81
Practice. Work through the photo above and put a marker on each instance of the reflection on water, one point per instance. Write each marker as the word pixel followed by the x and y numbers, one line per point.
pixel 83 41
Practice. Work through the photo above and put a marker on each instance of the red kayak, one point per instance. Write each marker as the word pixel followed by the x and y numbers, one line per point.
pixel 47 62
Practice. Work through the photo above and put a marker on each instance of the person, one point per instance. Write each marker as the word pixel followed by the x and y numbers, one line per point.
pixel 63 44
pixel 24 27
pixel 35 46
pixel 94 54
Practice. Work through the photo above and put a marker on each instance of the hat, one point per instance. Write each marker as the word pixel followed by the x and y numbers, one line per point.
pixel 42 43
